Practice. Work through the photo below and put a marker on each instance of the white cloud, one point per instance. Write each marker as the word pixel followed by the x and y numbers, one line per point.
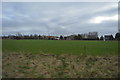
pixel 100 19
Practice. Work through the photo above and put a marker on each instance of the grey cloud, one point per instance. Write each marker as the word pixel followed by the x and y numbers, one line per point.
pixel 56 18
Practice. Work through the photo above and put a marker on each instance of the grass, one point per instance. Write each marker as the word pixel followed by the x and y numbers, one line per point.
pixel 57 59
pixel 60 66
pixel 61 47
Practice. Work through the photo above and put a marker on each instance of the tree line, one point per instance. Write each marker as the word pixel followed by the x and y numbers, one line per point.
pixel 19 36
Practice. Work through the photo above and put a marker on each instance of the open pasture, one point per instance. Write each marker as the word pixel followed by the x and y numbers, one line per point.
pixel 59 59
pixel 76 47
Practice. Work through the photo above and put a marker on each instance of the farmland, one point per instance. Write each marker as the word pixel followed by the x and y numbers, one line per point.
pixel 61 47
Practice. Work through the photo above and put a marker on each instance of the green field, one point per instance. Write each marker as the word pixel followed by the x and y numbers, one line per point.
pixel 61 47
pixel 19 60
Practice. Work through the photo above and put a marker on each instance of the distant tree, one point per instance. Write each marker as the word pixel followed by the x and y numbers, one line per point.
pixel 65 38
pixel 79 37
pixel 61 37
pixel 36 36
pixel 40 37
pixel 31 36
pixel 112 38
pixel 75 37
pixel 101 38
pixel 117 36
pixel 26 37
pixel 97 38
pixel 18 36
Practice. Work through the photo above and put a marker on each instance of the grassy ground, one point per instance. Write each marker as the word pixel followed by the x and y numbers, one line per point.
pixel 61 47
pixel 59 59
pixel 21 65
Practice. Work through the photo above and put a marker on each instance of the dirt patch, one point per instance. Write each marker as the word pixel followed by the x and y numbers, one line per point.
pixel 21 65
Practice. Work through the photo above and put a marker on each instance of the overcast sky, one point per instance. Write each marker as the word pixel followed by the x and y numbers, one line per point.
pixel 59 18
